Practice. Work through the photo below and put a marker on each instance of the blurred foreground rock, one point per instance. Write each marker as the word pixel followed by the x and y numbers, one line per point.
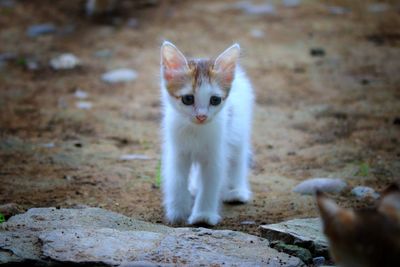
pixel 305 233
pixel 93 236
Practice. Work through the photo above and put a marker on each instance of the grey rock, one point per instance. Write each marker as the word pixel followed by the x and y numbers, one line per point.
pixel 362 192
pixel 104 53
pixel 41 29
pixel 119 75
pixel 318 261
pixel 305 233
pixel 7 56
pixel 338 10
pixel 65 61
pixel 328 185
pixel 378 7
pixel 45 236
pixel 291 3
pixel 255 9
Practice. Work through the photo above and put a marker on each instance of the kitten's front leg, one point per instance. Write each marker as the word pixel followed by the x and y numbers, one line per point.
pixel 177 198
pixel 205 209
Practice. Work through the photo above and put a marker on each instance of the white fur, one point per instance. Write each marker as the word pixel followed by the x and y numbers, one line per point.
pixel 215 155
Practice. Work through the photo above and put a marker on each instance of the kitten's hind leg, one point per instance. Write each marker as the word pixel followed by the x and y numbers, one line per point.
pixel 236 187
pixel 177 198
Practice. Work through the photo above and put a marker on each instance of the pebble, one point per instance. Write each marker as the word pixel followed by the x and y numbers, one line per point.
pixel 65 61
pixel 247 222
pixel 362 192
pixel 252 9
pixel 32 65
pixel 104 53
pixel 329 185
pixel 84 105
pixel 291 3
pixel 338 10
pixel 119 75
pixel 317 52
pixel 377 8
pixel 133 23
pixel 319 261
pixel 257 33
pixel 80 94
pixel 7 56
pixel 41 29
pixel 134 157
pixel 47 145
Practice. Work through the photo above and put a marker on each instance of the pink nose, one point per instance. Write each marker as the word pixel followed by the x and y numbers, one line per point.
pixel 201 118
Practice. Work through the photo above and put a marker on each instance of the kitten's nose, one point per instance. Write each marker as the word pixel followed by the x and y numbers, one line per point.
pixel 201 118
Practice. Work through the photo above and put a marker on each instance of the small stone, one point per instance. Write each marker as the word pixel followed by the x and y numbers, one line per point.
pixel 134 157
pixel 254 9
pixel 362 192
pixel 396 121
pixel 80 94
pixel 41 29
pixel 317 52
pixel 257 33
pixel 248 222
pixel 32 65
pixel 291 3
pixel 319 261
pixel 84 105
pixel 104 53
pixel 338 10
pixel 7 56
pixel 328 185
pixel 119 75
pixel 133 23
pixel 68 178
pixel 48 145
pixel 365 81
pixel 65 61
pixel 377 8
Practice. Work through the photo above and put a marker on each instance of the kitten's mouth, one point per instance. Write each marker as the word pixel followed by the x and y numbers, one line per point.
pixel 200 122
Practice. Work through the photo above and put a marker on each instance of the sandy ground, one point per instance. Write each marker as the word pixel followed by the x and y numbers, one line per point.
pixel 332 115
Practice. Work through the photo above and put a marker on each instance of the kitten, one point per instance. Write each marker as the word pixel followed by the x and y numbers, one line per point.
pixel 367 238
pixel 207 113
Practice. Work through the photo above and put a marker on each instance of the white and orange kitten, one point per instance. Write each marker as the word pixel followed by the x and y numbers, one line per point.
pixel 207 114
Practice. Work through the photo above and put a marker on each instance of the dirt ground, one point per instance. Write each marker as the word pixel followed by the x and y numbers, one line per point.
pixel 332 114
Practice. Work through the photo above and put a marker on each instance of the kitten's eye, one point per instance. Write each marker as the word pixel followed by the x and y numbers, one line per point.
pixel 188 100
pixel 215 100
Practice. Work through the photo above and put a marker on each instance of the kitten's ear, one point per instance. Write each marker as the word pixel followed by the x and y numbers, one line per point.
pixel 389 205
pixel 330 211
pixel 173 62
pixel 225 64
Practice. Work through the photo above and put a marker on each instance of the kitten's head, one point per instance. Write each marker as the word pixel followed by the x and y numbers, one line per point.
pixel 366 237
pixel 198 88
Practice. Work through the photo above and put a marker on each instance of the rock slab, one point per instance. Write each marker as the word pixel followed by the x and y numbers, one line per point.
pixel 305 233
pixel 93 236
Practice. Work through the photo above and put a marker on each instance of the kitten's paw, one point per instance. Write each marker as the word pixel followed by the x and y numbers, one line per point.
pixel 177 216
pixel 204 218
pixel 237 196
